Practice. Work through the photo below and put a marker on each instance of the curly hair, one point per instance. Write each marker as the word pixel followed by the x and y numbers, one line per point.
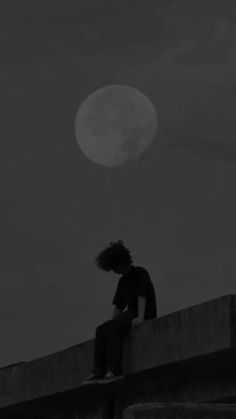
pixel 114 255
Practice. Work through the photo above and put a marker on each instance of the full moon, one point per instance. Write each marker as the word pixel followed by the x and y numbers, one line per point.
pixel 115 124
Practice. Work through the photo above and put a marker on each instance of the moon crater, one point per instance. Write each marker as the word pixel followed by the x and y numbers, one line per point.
pixel 115 124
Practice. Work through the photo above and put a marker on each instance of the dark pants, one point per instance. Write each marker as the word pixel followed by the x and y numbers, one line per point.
pixel 109 342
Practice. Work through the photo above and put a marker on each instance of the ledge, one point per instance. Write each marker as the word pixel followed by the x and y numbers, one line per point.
pixel 180 410
pixel 181 338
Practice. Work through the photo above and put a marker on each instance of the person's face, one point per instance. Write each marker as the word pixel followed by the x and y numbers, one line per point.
pixel 121 269
pixel 118 269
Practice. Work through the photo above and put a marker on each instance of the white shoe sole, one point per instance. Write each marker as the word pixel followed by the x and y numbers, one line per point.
pixel 108 380
pixel 102 380
pixel 91 381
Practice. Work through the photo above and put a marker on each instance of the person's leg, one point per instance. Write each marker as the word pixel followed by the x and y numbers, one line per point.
pixel 100 349
pixel 117 330
pixel 100 354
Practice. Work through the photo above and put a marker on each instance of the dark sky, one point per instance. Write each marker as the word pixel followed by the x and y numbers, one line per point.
pixel 174 207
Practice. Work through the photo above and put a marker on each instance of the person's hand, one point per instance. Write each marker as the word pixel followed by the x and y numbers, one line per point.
pixel 137 321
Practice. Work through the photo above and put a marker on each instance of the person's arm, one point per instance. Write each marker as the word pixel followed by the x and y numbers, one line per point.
pixel 141 294
pixel 141 311
pixel 118 301
pixel 116 312
pixel 141 307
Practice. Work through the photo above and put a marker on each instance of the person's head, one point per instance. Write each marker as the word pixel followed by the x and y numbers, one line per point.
pixel 116 258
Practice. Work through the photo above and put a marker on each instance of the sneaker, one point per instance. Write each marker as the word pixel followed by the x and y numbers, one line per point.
pixel 111 376
pixel 93 378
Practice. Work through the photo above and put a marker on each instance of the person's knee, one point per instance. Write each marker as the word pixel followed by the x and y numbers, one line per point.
pixel 103 326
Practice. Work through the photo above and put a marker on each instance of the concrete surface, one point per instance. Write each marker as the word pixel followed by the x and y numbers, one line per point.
pixel 194 332
pixel 199 336
pixel 180 411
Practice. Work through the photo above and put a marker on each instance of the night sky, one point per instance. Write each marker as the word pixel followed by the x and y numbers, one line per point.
pixel 174 207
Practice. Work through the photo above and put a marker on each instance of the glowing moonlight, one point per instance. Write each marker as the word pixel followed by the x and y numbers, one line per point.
pixel 115 124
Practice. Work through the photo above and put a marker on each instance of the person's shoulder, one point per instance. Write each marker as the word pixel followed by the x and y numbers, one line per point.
pixel 142 271
pixel 140 268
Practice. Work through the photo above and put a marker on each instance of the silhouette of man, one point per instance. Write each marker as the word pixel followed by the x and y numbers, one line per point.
pixel 134 302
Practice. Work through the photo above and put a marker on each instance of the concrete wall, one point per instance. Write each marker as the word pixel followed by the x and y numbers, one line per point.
pixel 180 411
pixel 196 331
pixel 185 356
